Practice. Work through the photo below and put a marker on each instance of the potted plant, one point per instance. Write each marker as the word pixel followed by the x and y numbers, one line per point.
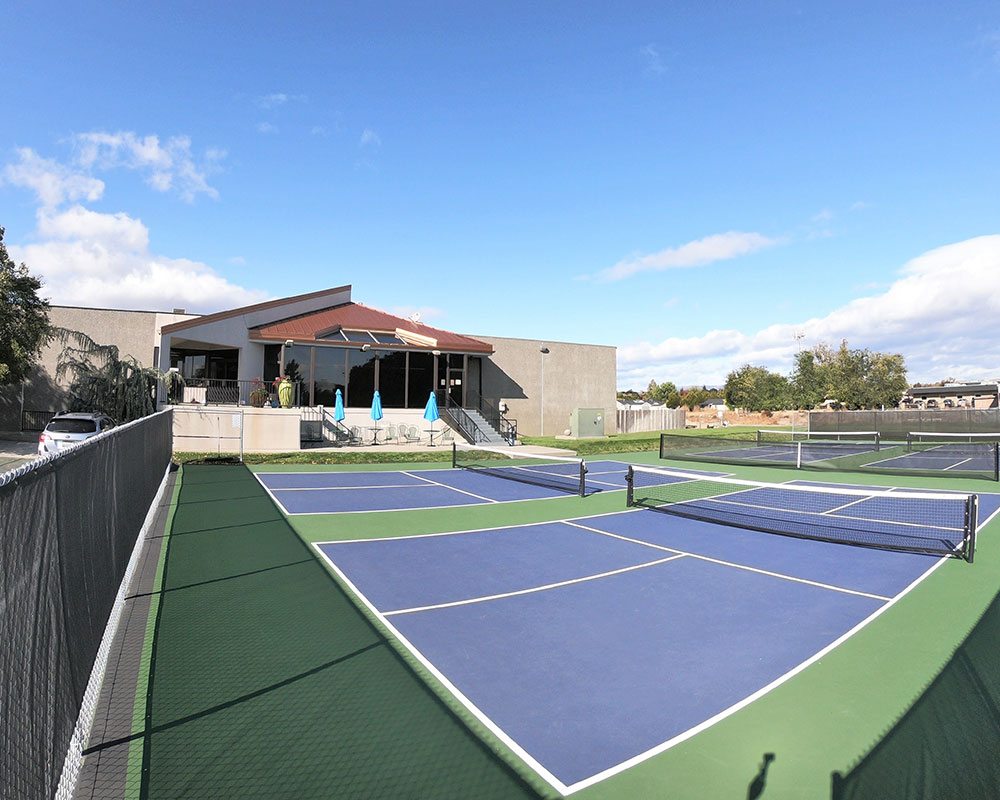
pixel 258 394
pixel 284 388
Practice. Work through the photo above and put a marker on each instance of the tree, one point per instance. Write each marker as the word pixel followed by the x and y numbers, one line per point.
pixel 104 381
pixel 756 389
pixel 24 319
pixel 809 380
pixel 660 391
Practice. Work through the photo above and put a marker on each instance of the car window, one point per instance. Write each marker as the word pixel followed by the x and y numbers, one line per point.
pixel 72 426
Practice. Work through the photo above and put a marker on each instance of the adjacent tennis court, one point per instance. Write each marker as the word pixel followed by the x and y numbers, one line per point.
pixel 401 490
pixel 548 632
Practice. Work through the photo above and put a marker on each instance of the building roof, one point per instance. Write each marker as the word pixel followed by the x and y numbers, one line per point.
pixel 274 306
pixel 950 389
pixel 325 325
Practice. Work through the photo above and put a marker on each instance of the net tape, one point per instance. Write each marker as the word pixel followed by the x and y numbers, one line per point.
pixel 554 472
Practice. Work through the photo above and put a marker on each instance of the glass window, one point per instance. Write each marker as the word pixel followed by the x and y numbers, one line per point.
pixel 421 379
pixel 361 378
pixel 330 365
pixel 392 379
pixel 387 338
pixel 272 355
pixel 297 368
pixel 359 336
pixel 72 426
pixel 194 366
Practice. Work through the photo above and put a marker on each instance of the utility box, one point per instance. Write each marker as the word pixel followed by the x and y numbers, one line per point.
pixel 586 422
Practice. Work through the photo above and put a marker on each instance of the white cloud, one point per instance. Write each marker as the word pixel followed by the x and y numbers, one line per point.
pixel 651 57
pixel 718 247
pixel 823 216
pixel 52 183
pixel 169 166
pixel 370 139
pixel 266 127
pixel 271 100
pixel 103 260
pixel 859 205
pixel 942 313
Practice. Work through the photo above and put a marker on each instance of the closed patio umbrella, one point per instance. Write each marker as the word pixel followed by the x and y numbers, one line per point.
pixel 431 413
pixel 338 407
pixel 376 414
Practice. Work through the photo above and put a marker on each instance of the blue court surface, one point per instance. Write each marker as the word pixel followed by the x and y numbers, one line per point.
pixel 590 644
pixel 939 459
pixel 345 492
pixel 787 453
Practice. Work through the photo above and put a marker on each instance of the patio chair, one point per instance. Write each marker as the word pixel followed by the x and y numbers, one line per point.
pixel 357 437
pixel 411 434
pixel 447 436
pixel 390 434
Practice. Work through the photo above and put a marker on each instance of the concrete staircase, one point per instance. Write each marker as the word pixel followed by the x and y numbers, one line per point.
pixel 488 435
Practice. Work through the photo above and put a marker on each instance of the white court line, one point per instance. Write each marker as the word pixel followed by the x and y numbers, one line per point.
pixel 446 486
pixel 845 505
pixel 348 488
pixel 728 712
pixel 963 461
pixel 534 589
pixel 488 723
pixel 523 754
pixel 733 564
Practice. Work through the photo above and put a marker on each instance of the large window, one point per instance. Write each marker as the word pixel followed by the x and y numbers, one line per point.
pixel 297 361
pixel 329 375
pixel 361 377
pixel 392 379
pixel 421 379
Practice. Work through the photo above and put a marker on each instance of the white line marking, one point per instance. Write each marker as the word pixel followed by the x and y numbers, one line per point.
pixel 661 748
pixel 349 488
pixel 495 729
pixel 734 565
pixel 534 589
pixel 446 486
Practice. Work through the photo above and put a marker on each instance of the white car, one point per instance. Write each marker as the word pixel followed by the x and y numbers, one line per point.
pixel 68 430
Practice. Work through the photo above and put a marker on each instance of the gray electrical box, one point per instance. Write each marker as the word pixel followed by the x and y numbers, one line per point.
pixel 584 422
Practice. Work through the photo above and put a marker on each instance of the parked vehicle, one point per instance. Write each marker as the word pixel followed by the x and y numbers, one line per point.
pixel 68 430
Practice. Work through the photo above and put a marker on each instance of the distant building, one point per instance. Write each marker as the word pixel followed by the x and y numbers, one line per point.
pixel 953 395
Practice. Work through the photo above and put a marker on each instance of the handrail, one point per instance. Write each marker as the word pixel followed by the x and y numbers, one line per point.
pixel 458 418
pixel 507 428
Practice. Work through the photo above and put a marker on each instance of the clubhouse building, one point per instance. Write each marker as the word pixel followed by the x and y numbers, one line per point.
pixel 323 342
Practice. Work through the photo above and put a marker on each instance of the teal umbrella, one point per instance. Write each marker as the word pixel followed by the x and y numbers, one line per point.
pixel 431 413
pixel 338 407
pixel 376 407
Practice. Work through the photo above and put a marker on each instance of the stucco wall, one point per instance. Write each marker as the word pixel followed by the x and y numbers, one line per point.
pixel 135 333
pixel 569 376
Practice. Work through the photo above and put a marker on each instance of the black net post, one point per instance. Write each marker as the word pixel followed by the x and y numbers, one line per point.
pixel 583 479
pixel 996 461
pixel 454 455
pixel 630 483
pixel 971 523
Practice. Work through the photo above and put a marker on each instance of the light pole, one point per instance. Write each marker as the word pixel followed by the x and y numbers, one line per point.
pixel 544 351
pixel 799 335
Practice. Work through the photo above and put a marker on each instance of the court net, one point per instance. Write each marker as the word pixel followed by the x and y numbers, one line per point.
pixel 553 472
pixel 863 454
pixel 919 522
pixel 785 437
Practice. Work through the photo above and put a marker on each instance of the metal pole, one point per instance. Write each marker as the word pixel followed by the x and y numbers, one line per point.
pixel 544 351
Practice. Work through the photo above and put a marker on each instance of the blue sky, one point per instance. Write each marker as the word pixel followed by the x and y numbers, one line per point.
pixel 694 183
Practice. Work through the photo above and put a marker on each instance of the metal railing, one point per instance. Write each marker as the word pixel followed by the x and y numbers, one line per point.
pixel 494 417
pixel 223 391
pixel 35 420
